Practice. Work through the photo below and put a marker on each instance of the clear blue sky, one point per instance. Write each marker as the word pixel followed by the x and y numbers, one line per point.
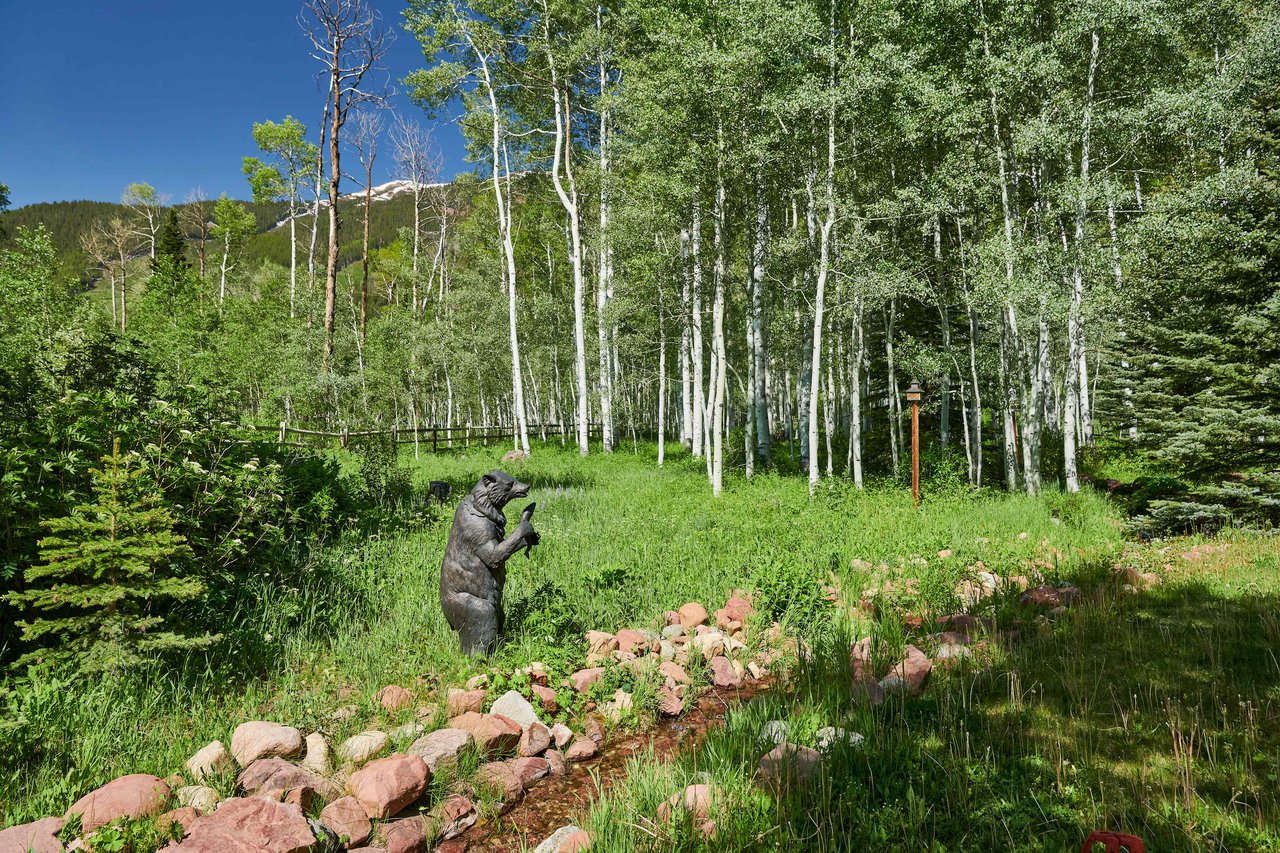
pixel 99 94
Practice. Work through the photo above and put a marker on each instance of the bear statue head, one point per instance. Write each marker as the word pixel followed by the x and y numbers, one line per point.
pixel 496 488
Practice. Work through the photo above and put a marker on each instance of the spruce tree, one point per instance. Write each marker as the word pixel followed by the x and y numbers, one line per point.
pixel 107 572
pixel 170 243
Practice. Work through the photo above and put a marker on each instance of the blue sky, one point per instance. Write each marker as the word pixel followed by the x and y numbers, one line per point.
pixel 100 94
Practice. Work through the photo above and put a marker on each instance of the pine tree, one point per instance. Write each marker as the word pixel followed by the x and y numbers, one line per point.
pixel 171 243
pixel 96 597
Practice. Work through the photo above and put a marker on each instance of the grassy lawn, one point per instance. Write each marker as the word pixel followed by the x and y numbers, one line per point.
pixel 1151 712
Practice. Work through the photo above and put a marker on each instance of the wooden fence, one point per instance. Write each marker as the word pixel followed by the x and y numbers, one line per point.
pixel 435 437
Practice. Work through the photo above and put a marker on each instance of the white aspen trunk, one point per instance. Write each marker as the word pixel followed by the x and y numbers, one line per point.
pixel 293 246
pixel 1077 403
pixel 521 427
pixel 222 277
pixel 944 318
pixel 569 201
pixel 824 266
pixel 1009 334
pixel 855 393
pixel 686 381
pixel 976 429
pixel 891 388
pixel 764 440
pixel 604 286
pixel 662 385
pixel 699 401
pixel 829 404
pixel 748 390
pixel 718 359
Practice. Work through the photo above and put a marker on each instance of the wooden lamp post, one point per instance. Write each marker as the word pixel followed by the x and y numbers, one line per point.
pixel 914 396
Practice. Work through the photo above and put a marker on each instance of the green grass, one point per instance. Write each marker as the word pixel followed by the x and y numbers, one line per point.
pixel 622 541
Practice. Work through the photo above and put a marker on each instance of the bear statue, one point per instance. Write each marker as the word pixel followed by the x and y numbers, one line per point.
pixel 474 569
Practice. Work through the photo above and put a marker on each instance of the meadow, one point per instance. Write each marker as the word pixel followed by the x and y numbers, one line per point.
pixel 1152 712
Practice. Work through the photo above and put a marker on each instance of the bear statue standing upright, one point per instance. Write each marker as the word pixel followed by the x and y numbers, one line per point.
pixel 474 569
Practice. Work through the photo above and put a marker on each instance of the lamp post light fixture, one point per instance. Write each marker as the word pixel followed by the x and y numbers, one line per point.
pixel 914 395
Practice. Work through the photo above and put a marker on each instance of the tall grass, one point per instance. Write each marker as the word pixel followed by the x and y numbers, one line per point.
pixel 622 541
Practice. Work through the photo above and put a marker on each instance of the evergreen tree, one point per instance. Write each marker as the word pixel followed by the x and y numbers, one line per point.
pixel 171 243
pixel 96 597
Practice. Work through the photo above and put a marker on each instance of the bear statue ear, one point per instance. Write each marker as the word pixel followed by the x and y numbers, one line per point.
pixel 488 479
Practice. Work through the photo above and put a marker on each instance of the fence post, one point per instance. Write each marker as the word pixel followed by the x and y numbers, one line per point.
pixel 283 428
pixel 434 437
pixel 346 437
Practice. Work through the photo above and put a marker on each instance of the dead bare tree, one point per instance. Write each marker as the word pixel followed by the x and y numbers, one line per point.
pixel 110 245
pixel 419 164
pixel 365 140
pixel 349 39
pixel 196 217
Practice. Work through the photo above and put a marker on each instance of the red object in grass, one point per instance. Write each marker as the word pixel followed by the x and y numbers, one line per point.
pixel 1115 842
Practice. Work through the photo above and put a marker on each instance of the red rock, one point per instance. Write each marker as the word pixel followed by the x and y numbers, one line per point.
pixel 695 799
pixel 276 774
pixel 723 674
pixel 669 704
pixel 693 614
pixel 250 825
pixel 593 725
pixel 500 778
pixel 407 835
pixel 259 739
pixel 561 734
pixel 910 674
pixel 788 767
pixel 493 733
pixel 546 697
pixel 346 817
pixel 601 642
pixel 584 678
pixel 441 747
pixel 394 698
pixel 457 845
pixel 463 701
pixel 578 841
pixel 534 740
pixel 674 671
pixel 632 641
pixel 387 785
pixel 738 607
pixel 863 661
pixel 1046 597
pixel 582 749
pixel 530 770
pixel 38 837
pixel 556 760
pixel 671 617
pixel 136 795
pixel 184 817
pixel 451 816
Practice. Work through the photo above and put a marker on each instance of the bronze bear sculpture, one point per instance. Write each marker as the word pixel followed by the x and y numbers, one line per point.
pixel 474 569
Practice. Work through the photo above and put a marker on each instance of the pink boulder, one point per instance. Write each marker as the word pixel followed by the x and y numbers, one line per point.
pixel 136 795
pixel 910 674
pixel 601 642
pixel 394 698
pixel 276 774
pixel 462 701
pixel 387 785
pixel 250 825
pixel 674 671
pixel 546 697
pixel 555 760
pixel 259 739
pixel 530 770
pixel 584 678
pixel 407 835
pixel 669 704
pixel 502 779
pixel 38 837
pixel 695 799
pixel 492 732
pixel 575 843
pixel 692 614
pixel 632 641
pixel 788 767
pixel 535 740
pixel 582 749
pixel 723 674
pixel 346 817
